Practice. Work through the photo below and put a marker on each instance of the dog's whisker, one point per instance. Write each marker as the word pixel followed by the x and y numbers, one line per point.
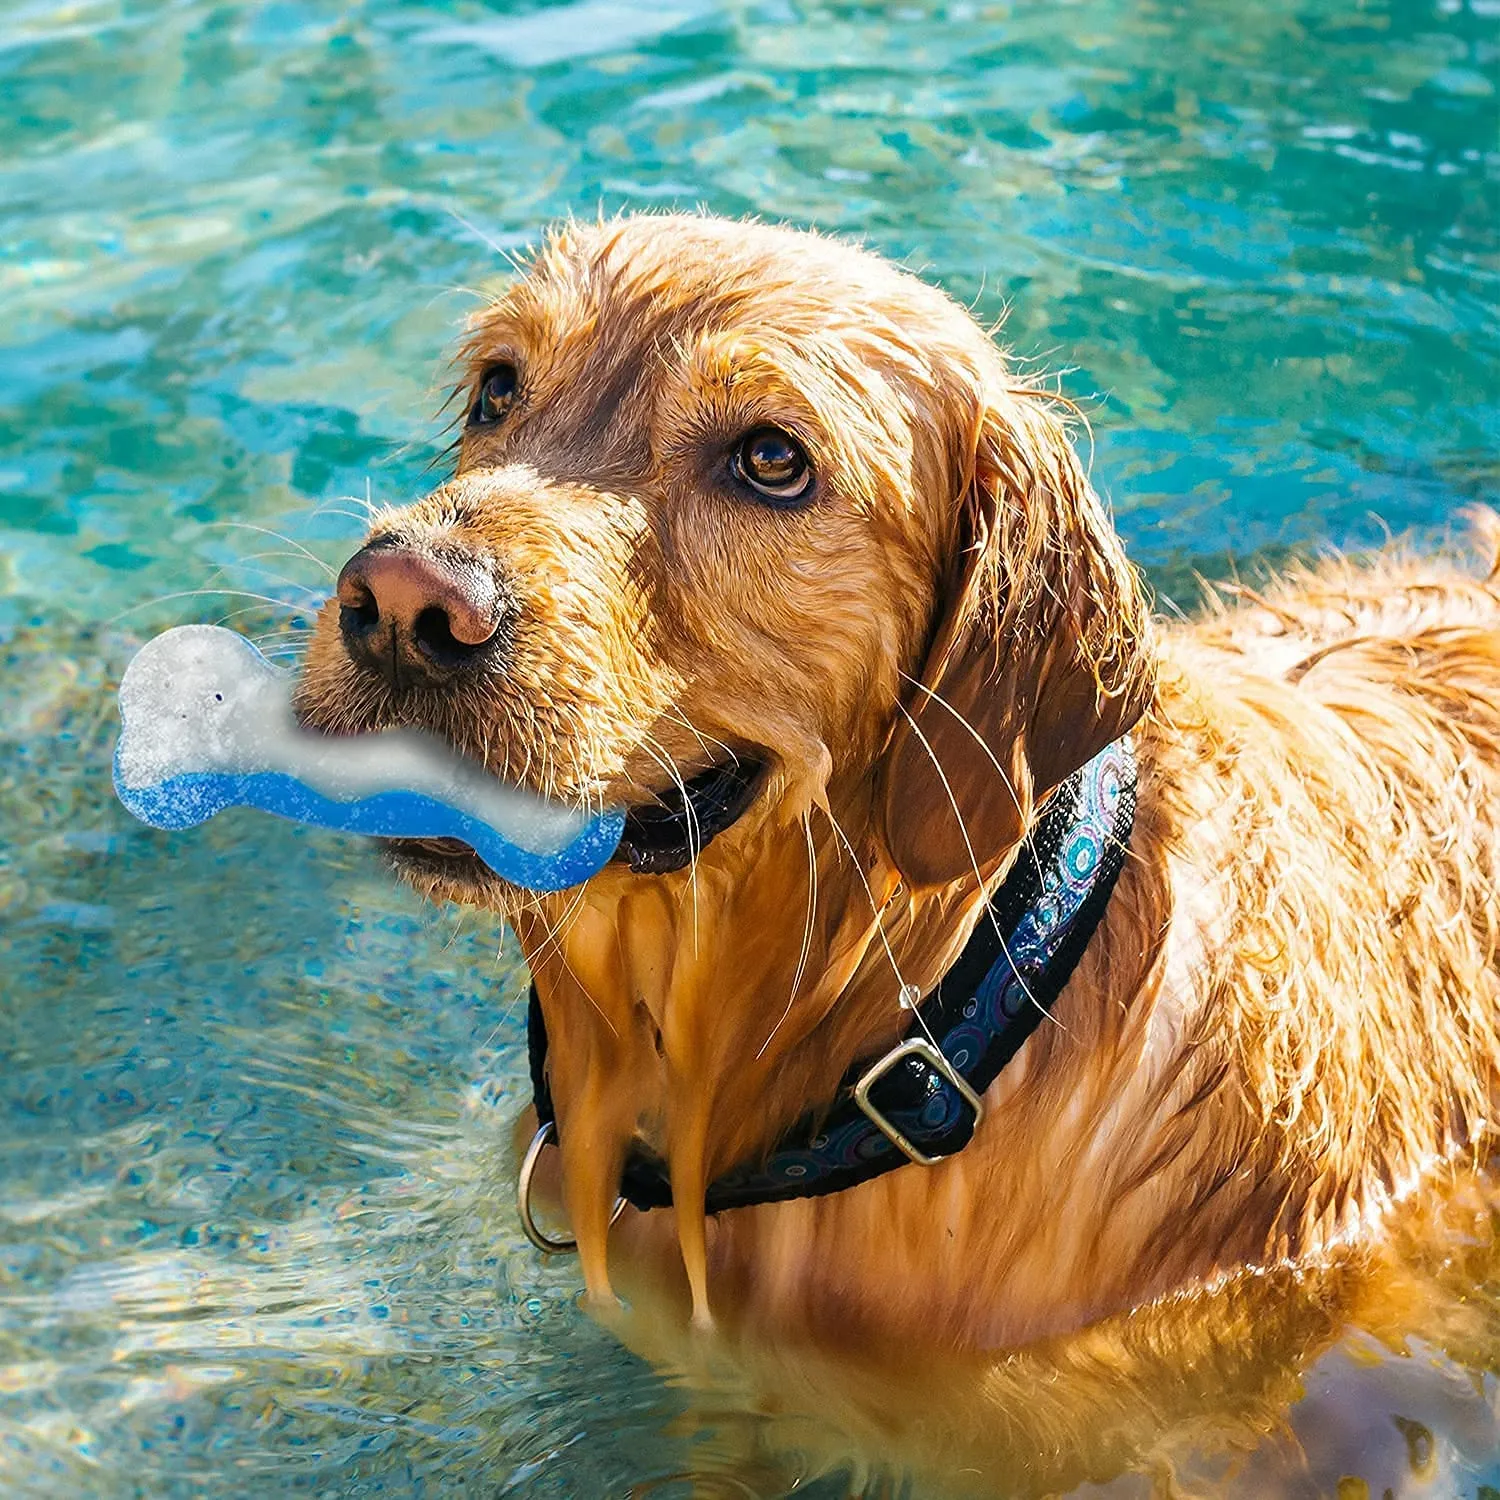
pixel 279 648
pixel 207 593
pixel 552 945
pixel 254 561
pixel 657 752
pixel 335 507
pixel 313 600
pixel 487 240
pixel 974 862
pixel 704 741
pixel 302 632
pixel 978 738
pixel 558 931
pixel 807 932
pixel 296 546
pixel 458 927
pixel 903 990
pixel 291 626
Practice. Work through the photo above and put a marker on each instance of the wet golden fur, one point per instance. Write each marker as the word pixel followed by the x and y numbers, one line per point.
pixel 1290 1012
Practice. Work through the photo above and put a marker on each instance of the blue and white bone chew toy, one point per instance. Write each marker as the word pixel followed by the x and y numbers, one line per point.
pixel 207 723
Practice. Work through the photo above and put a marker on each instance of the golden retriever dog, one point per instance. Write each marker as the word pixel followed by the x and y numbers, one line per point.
pixel 745 507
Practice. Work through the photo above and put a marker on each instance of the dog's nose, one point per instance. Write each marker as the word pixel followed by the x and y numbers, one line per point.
pixel 425 614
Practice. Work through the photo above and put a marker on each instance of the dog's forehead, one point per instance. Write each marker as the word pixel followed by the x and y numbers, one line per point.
pixel 664 283
pixel 641 340
pixel 680 258
pixel 607 317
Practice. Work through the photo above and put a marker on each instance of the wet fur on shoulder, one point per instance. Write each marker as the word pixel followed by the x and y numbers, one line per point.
pixel 1289 1014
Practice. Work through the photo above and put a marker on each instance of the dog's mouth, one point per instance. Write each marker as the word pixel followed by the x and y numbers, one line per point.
pixel 669 833
pixel 660 836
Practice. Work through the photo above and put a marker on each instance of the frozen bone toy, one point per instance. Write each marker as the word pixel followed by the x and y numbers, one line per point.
pixel 207 723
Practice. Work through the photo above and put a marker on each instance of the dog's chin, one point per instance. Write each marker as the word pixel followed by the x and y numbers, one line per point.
pixel 448 870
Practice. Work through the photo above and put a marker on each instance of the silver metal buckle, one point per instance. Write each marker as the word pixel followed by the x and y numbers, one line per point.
pixel 913 1047
pixel 546 1136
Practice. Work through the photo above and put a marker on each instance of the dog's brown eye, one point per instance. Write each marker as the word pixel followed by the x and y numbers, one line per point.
pixel 773 464
pixel 496 392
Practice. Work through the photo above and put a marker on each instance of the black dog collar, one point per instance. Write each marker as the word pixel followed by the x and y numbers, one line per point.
pixel 921 1101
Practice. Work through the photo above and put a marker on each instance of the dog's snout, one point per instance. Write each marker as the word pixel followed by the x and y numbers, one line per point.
pixel 423 614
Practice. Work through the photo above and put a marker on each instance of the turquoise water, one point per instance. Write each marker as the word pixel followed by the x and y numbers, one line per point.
pixel 255 1232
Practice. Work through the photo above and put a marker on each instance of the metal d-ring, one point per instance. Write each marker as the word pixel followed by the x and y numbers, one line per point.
pixel 545 1136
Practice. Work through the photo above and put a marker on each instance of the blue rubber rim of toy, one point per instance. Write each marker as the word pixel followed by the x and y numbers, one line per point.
pixel 187 800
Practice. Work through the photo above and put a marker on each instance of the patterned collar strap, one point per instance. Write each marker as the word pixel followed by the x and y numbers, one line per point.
pixel 921 1101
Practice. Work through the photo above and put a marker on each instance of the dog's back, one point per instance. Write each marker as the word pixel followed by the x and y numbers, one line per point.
pixel 1334 754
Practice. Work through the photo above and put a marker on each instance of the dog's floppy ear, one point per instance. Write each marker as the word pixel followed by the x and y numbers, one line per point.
pixel 1040 652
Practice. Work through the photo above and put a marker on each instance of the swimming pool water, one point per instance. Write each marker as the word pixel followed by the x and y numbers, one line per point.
pixel 255 1222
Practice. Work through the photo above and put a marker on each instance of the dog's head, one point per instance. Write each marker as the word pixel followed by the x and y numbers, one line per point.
pixel 754 526
pixel 750 511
